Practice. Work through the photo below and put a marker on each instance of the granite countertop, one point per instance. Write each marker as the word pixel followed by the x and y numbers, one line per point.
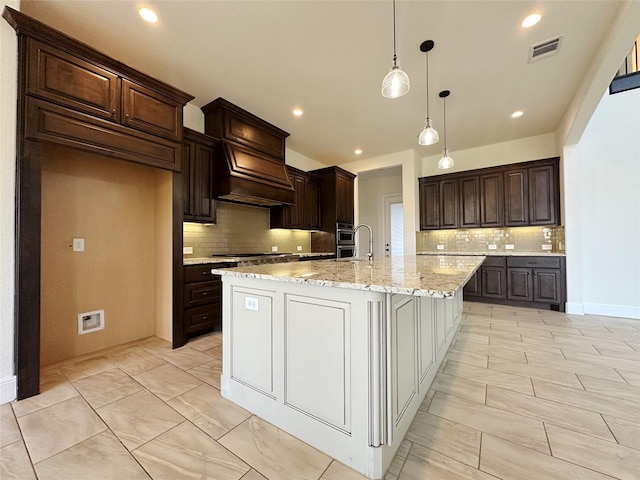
pixel 426 275
pixel 203 260
pixel 502 253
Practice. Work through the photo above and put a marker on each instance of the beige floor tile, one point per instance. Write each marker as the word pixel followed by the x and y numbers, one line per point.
pixel 627 433
pixel 489 376
pixel 595 341
pixel 574 366
pixel 253 475
pixel 533 371
pixel 205 342
pixel 634 345
pixel 449 438
pixel 459 386
pixel 136 360
pixel 167 381
pixel 516 428
pixel 209 372
pixel 632 377
pixel 55 388
pixel 106 387
pixel 84 368
pixel 9 431
pixel 15 463
pixel 205 407
pixel 338 471
pixel 423 463
pixel 595 402
pixel 601 360
pixel 101 456
pixel 275 453
pixel 187 452
pixel 156 345
pixel 527 347
pixel 548 411
pixel 622 354
pixel 215 351
pixel 614 389
pixel 186 358
pixel 602 456
pixel 468 357
pixel 427 400
pixel 50 430
pixel 621 334
pixel 398 460
pixel 467 338
pixel 508 460
pixel 138 418
pixel 493 351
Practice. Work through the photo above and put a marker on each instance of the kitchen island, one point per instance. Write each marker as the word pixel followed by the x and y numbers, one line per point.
pixel 341 353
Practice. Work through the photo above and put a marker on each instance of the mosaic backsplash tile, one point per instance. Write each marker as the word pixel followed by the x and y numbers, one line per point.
pixel 521 239
pixel 241 229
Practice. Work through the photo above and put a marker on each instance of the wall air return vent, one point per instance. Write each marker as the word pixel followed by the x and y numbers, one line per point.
pixel 545 49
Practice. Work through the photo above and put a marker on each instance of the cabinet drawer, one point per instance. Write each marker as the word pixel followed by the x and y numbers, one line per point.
pixel 202 292
pixel 203 318
pixel 202 273
pixel 494 261
pixel 533 262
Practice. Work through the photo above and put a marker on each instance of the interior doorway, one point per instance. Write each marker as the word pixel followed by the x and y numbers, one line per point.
pixel 393 225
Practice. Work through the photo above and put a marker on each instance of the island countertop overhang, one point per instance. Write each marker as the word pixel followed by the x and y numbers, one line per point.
pixel 416 275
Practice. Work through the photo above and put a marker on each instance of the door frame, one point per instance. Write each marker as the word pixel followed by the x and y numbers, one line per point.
pixel 387 200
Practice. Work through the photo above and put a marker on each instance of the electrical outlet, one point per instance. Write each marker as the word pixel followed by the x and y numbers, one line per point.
pixel 493 247
pixel 508 246
pixel 440 247
pixel 274 248
pixel 299 248
pixel 251 303
pixel 187 250
pixel 78 244
pixel 547 247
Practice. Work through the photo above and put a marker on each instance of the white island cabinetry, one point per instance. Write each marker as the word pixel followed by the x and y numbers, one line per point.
pixel 340 354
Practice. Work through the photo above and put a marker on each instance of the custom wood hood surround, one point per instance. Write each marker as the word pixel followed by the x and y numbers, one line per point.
pixel 251 166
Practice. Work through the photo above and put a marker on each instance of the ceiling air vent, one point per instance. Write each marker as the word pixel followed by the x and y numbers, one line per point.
pixel 544 49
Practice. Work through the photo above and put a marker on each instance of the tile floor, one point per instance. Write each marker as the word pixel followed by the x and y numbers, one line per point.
pixel 522 394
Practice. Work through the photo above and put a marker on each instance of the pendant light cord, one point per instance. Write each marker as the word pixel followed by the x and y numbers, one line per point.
pixel 444 108
pixel 394 33
pixel 427 70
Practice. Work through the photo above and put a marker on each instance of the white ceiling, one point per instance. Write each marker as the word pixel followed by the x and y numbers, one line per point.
pixel 329 58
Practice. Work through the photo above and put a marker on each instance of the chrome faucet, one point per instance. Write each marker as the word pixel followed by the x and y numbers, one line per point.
pixel 370 254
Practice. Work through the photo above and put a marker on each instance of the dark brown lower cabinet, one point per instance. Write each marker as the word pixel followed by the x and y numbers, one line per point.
pixel 202 299
pixel 537 282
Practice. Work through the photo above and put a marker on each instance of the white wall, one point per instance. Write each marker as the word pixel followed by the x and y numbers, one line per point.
pixel 602 204
pixel 8 96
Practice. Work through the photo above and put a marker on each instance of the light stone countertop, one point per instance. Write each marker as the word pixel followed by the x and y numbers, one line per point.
pixel 203 260
pixel 502 253
pixel 425 275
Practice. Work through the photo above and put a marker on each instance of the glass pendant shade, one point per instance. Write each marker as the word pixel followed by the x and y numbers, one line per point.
pixel 428 136
pixel 446 161
pixel 396 83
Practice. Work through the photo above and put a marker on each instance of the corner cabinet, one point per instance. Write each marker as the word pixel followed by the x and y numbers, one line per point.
pixel 198 156
pixel 304 214
pixel 520 194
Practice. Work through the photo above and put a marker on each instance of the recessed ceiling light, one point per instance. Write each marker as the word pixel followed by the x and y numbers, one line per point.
pixel 297 112
pixel 531 20
pixel 148 15
pixel 357 151
pixel 517 114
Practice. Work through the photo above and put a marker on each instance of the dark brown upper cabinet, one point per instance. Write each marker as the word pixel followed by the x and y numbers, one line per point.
pixel 197 177
pixel 73 82
pixel 512 195
pixel 304 214
pixel 344 198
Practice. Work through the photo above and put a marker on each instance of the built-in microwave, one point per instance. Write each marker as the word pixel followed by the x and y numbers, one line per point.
pixel 345 234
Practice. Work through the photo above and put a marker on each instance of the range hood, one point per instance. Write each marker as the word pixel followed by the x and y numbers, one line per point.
pixel 250 166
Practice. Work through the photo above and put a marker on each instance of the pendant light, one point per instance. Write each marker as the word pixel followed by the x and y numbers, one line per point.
pixel 446 161
pixel 396 83
pixel 428 136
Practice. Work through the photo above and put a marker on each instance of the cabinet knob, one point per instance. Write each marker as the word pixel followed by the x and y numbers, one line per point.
pixel 205 273
pixel 113 113
pixel 204 294
pixel 126 115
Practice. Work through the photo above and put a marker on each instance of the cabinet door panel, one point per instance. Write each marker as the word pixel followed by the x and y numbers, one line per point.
pixel 472 288
pixel 491 200
pixel 65 79
pixel 312 204
pixel 547 286
pixel 151 112
pixel 520 285
pixel 344 199
pixel 203 184
pixel 202 319
pixel 187 180
pixel 429 205
pixel 494 282
pixel 448 204
pixel 516 197
pixel 469 202
pixel 542 196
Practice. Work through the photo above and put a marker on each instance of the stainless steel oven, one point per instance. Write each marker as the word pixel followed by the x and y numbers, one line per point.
pixel 344 251
pixel 345 234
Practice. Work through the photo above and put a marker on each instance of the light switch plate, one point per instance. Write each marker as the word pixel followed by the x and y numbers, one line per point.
pixel 493 247
pixel 508 246
pixel 187 250
pixel 251 303
pixel 299 248
pixel 274 248
pixel 547 247
pixel 440 247
pixel 78 244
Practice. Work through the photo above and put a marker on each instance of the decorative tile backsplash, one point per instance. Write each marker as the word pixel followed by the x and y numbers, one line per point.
pixel 520 239
pixel 241 229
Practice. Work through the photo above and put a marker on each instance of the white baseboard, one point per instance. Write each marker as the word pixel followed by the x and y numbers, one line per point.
pixel 612 310
pixel 574 308
pixel 8 389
